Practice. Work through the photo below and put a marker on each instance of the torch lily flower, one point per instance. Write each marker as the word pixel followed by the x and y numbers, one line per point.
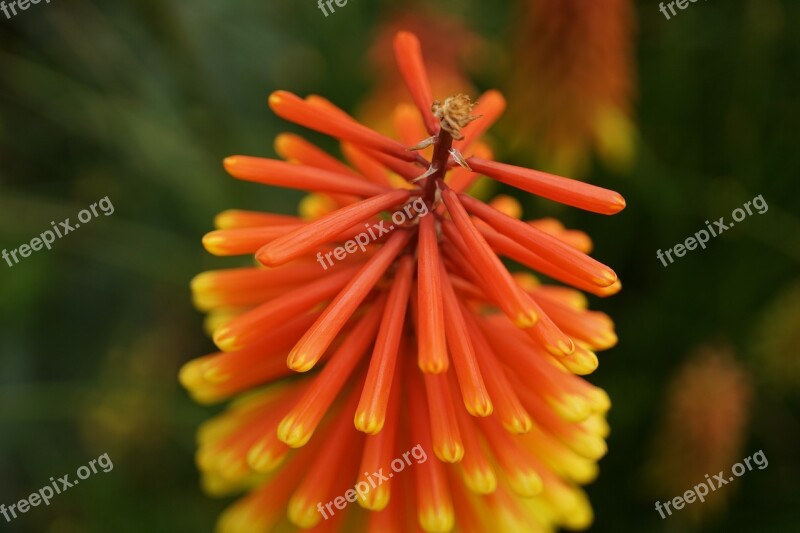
pixel 416 338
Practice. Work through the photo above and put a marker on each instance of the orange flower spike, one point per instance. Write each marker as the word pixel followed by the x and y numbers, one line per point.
pixel 326 229
pixel 408 54
pixel 371 411
pixel 380 449
pixel 299 424
pixel 447 444
pixel 332 468
pixel 563 190
pixel 432 348
pixel 470 379
pixel 246 328
pixel 291 176
pixel 294 109
pixel 489 107
pixel 510 298
pixel 240 218
pixel 310 348
pixel 508 408
pixel 476 466
pixel 434 504
pixel 296 149
pixel 549 247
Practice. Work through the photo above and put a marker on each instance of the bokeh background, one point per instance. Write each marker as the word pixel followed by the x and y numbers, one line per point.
pixel 688 118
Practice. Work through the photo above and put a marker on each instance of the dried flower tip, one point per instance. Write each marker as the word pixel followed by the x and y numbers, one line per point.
pixel 423 144
pixel 459 158
pixel 454 114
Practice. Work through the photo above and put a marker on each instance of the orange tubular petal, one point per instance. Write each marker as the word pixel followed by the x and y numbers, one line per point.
pixel 476 466
pixel 368 167
pixel 380 450
pixel 554 250
pixel 519 307
pixel 408 53
pixel 459 178
pixel 575 238
pixel 509 410
pixel 371 411
pixel 299 424
pixel 446 438
pixel 243 241
pixel 407 170
pixel 409 127
pixel 432 348
pixel 592 327
pixel 488 108
pixel 248 327
pixel 473 390
pixel 292 147
pixel 513 250
pixel 238 218
pixel 563 190
pixel 325 229
pixel 293 108
pixel 307 352
pixel 331 471
pixel 293 176
pixel 241 287
pixel 434 503
pixel 516 462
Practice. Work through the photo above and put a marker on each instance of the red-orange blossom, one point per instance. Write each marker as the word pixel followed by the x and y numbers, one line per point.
pixel 426 338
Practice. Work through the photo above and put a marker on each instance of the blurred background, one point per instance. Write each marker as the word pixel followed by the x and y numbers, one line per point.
pixel 688 118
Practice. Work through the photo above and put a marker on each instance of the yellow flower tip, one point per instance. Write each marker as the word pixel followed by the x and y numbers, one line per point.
pixel 214 375
pixel 519 424
pixel 292 433
pixel 368 423
pixel 525 483
pixel 599 400
pixel 583 472
pixel 525 321
pixel 205 458
pixel 481 481
pixel 303 514
pixel 480 406
pixel 376 499
pixel 276 99
pixel 202 282
pixel 314 206
pixel 437 519
pixel 527 281
pixel 282 143
pixel 225 340
pixel 262 460
pixel 214 243
pixel 607 278
pixel 438 366
pixel 190 375
pixel 450 452
pixel 573 506
pixel 229 162
pixel 590 446
pixel 300 362
pixel 571 407
pixel 562 347
pixel 398 182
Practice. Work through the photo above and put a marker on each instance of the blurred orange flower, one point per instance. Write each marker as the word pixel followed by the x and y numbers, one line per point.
pixel 420 338
pixel 572 84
